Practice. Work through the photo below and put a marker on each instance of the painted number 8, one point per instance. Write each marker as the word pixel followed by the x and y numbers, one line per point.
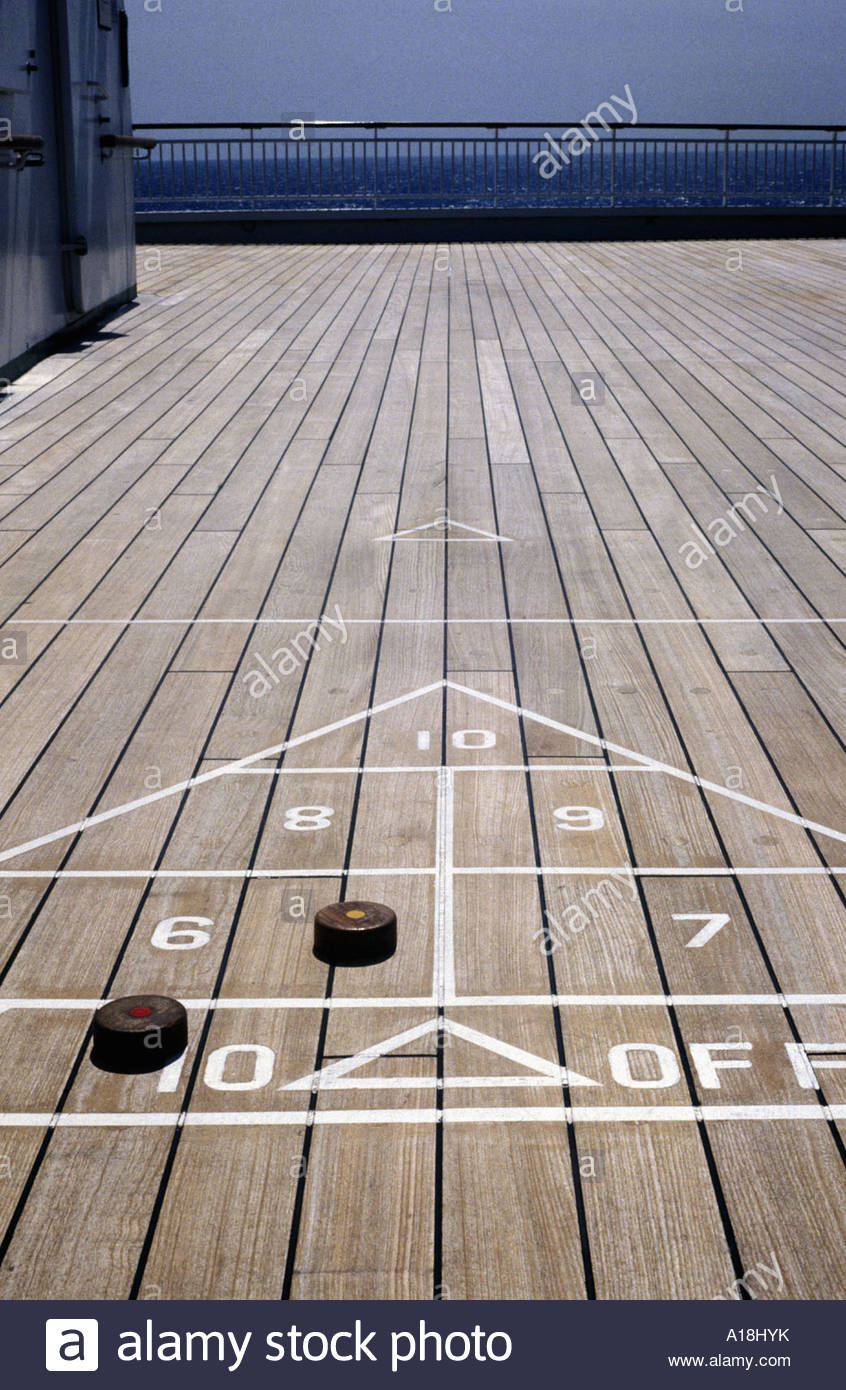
pixel 308 817
pixel 578 818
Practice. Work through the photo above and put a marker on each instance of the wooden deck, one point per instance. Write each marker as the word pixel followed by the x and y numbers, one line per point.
pixel 574 707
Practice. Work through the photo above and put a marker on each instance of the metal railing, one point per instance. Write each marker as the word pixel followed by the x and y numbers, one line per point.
pixel 317 165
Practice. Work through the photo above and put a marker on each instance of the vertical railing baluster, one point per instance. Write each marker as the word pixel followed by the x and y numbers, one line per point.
pixel 624 142
pixel 814 144
pixel 375 166
pixel 725 166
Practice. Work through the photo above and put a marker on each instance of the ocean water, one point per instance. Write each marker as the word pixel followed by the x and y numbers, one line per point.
pixel 318 174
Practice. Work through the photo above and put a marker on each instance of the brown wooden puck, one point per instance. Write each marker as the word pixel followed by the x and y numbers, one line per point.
pixel 140 1033
pixel 355 933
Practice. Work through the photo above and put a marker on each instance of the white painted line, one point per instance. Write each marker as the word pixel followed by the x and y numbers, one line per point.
pixel 570 1001
pixel 380 1117
pixel 443 977
pixel 313 1080
pixel 81 1119
pixel 275 749
pixel 445 524
pixel 26 1120
pixel 598 767
pixel 246 1117
pixel 527 1114
pixel 657 870
pixel 422 1083
pixel 446 540
pixel 53 1005
pixel 640 1114
pixel 463 1001
pixel 205 873
pixel 416 1002
pixel 214 773
pixel 562 1075
pixel 558 870
pixel 331 1076
pixel 683 776
pixel 422 740
pixel 433 622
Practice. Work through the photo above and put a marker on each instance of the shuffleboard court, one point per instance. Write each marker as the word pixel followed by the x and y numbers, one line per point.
pixel 326 578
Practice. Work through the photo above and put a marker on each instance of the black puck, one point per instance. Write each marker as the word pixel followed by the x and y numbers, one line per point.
pixel 139 1034
pixel 355 933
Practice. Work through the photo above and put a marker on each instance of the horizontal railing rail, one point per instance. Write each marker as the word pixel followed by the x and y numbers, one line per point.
pixel 325 165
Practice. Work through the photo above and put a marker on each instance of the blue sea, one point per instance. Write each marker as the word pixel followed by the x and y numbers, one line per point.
pixel 240 174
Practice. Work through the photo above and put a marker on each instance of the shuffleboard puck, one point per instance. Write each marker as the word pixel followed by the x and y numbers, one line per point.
pixel 355 933
pixel 140 1033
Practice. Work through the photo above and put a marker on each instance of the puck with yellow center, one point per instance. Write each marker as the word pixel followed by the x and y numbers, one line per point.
pixel 355 933
pixel 140 1033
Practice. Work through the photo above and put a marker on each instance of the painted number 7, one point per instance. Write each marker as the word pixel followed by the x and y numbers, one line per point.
pixel 578 818
pixel 714 922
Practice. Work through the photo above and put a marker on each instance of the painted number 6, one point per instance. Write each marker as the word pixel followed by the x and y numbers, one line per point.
pixel 578 818
pixel 170 936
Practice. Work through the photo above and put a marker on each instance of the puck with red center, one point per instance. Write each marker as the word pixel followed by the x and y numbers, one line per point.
pixel 139 1034
pixel 355 933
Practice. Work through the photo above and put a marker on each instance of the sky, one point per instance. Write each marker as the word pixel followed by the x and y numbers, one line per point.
pixel 779 61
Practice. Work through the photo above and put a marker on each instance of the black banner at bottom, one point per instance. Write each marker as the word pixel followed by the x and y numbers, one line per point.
pixel 407 1344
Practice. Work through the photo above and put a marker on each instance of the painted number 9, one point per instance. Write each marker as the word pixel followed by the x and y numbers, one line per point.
pixel 308 817
pixel 578 818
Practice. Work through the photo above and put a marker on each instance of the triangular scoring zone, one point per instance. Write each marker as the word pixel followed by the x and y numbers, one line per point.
pixel 445 527
pixel 332 1077
pixel 274 750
